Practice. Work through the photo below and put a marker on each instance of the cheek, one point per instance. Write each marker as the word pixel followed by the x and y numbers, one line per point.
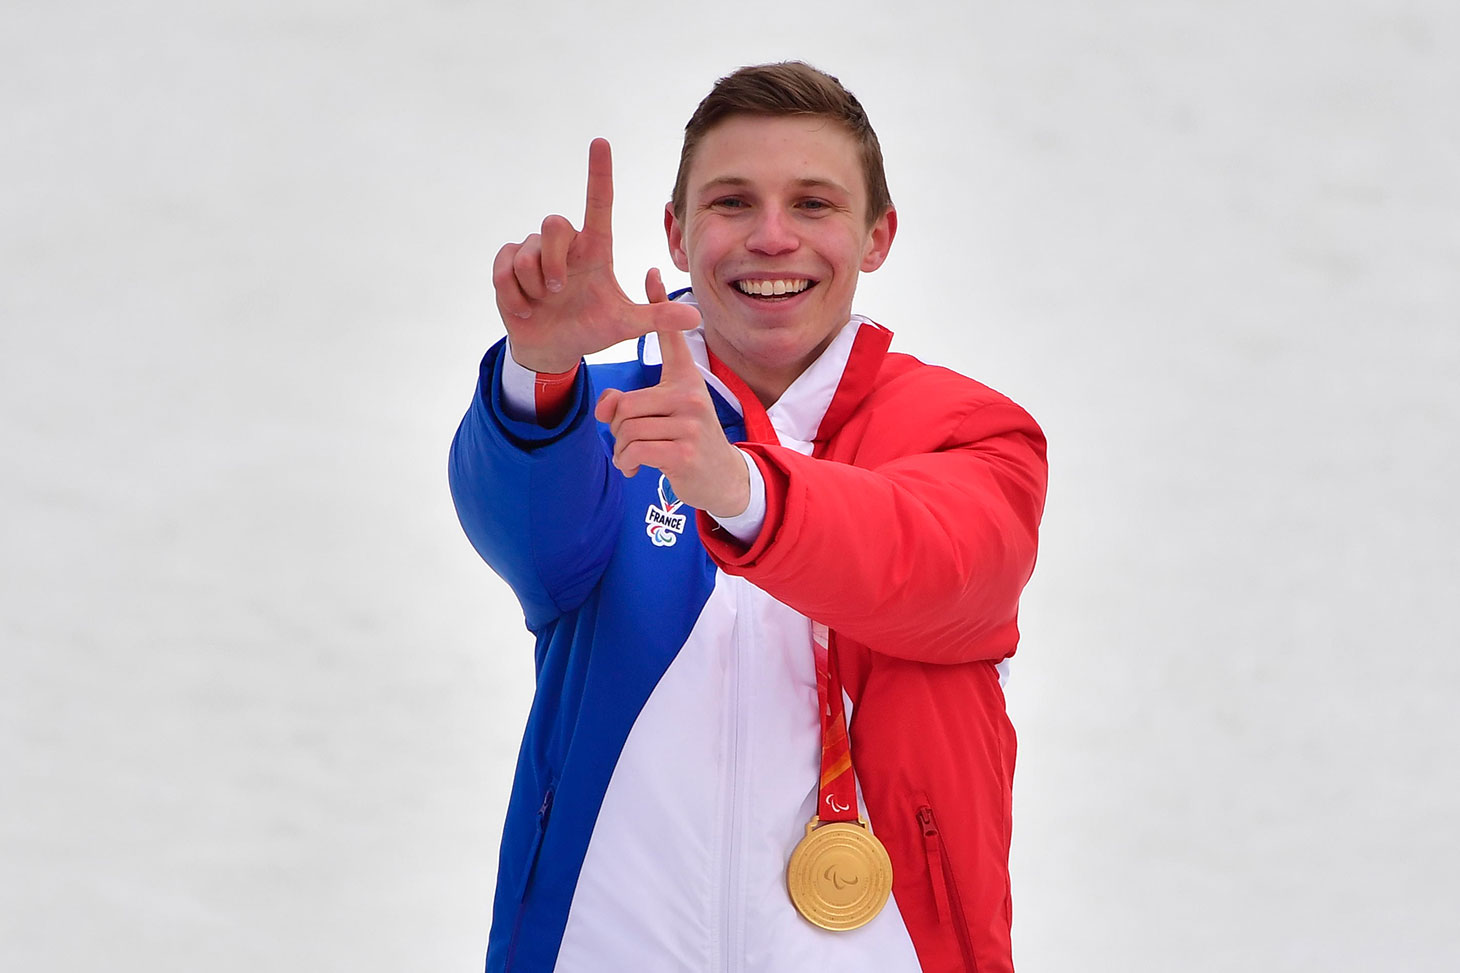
pixel 846 249
pixel 706 256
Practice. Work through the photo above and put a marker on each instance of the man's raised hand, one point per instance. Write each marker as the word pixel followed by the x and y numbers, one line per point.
pixel 672 427
pixel 556 290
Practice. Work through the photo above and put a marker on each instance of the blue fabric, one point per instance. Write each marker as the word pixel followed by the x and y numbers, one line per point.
pixel 609 609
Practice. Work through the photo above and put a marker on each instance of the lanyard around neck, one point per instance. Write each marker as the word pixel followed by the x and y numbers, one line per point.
pixel 837 799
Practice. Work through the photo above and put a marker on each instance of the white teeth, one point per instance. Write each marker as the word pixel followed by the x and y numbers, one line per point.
pixel 771 288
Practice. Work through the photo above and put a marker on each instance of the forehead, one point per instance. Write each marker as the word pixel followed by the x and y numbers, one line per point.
pixel 774 150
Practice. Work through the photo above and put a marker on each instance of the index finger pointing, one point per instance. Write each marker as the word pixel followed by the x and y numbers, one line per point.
pixel 598 215
pixel 679 361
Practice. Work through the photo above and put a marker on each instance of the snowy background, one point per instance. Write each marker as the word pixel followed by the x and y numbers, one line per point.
pixel 259 700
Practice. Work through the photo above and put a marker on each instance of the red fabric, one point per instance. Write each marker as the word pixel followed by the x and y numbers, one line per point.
pixel 865 360
pixel 836 799
pixel 911 534
pixel 552 394
pixel 758 428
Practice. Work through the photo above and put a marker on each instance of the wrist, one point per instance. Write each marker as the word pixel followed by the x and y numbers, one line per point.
pixel 736 499
pixel 745 526
pixel 542 361
pixel 731 506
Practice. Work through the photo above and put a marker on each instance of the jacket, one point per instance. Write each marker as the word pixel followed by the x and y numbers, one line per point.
pixel 670 759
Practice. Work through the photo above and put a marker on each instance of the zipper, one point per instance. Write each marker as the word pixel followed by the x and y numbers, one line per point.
pixel 731 918
pixel 945 888
pixel 543 812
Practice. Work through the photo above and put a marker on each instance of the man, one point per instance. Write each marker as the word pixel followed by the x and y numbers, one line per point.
pixel 765 516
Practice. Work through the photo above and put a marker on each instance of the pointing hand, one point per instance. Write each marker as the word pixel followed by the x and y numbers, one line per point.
pixel 672 427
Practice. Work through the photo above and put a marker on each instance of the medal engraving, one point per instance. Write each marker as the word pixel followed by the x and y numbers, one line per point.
pixel 839 875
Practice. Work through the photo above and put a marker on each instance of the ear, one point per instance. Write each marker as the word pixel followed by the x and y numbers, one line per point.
pixel 675 234
pixel 879 240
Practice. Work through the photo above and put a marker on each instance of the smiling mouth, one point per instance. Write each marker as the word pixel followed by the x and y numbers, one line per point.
pixel 774 288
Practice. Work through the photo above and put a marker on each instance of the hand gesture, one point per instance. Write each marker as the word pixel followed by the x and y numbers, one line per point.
pixel 556 290
pixel 672 427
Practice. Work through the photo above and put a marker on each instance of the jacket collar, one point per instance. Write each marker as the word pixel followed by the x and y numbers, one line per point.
pixel 816 404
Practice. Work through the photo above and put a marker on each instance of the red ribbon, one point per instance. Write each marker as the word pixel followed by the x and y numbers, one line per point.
pixel 837 797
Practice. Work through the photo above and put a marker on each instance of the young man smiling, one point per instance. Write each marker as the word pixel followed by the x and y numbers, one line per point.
pixel 764 525
pixel 778 201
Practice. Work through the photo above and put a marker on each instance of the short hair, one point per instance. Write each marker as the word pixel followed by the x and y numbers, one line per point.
pixel 785 88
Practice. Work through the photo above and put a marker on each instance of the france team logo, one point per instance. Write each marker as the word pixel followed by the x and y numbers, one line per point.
pixel 663 525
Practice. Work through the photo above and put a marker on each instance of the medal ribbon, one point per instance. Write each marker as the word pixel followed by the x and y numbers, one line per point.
pixel 837 799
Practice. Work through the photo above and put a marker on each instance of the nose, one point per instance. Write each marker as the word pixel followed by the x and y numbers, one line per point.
pixel 772 234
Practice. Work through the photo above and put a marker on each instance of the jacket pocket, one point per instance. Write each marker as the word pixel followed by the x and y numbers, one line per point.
pixel 945 885
pixel 529 867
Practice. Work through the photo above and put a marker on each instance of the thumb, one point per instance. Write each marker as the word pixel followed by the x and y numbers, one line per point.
pixel 607 405
pixel 667 315
pixel 654 287
pixel 671 321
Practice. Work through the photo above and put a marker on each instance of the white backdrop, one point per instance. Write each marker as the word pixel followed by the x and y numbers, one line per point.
pixel 259 701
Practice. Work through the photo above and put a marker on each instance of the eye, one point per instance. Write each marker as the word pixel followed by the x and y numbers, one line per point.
pixel 815 205
pixel 729 202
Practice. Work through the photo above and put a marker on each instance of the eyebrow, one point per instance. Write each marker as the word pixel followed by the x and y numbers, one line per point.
pixel 741 181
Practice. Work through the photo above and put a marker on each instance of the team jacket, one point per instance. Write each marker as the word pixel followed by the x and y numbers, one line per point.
pixel 671 755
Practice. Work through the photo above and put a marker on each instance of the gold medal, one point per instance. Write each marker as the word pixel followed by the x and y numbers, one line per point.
pixel 839 875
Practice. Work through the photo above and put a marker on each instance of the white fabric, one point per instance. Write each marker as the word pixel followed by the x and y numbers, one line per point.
pixel 519 392
pixel 686 867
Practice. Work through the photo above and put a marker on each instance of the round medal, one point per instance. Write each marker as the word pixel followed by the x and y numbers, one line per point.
pixel 839 875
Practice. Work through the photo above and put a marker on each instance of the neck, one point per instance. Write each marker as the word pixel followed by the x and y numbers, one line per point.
pixel 768 381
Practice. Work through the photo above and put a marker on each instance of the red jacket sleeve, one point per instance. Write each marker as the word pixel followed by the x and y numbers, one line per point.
pixel 921 555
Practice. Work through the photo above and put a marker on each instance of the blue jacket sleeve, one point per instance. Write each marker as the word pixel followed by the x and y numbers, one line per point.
pixel 539 504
